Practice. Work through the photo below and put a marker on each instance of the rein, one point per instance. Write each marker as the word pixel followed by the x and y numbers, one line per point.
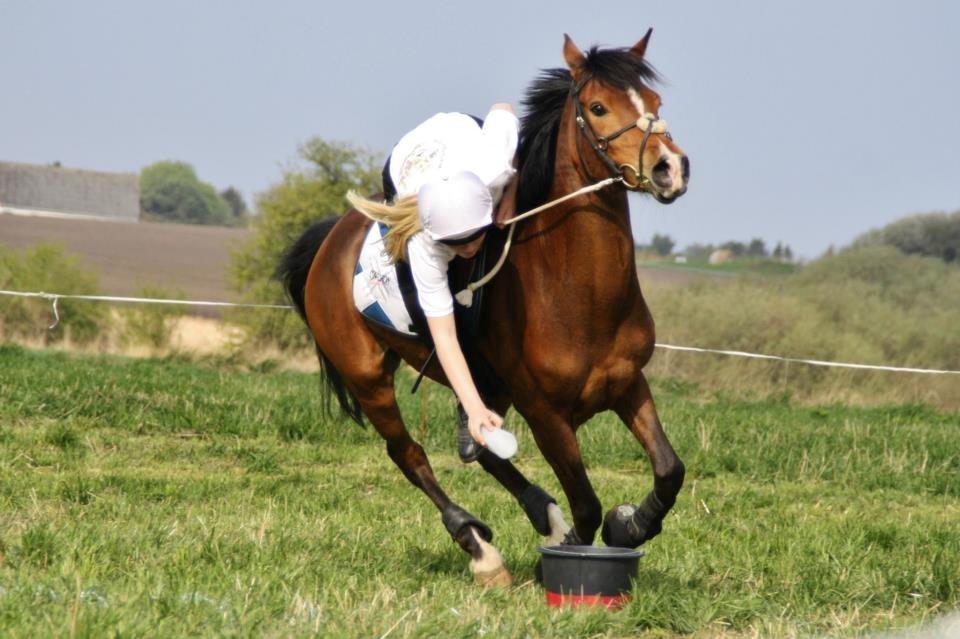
pixel 647 122
pixel 465 297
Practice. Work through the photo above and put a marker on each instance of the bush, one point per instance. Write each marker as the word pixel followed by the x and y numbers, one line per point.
pixel 151 324
pixel 306 195
pixel 48 268
pixel 873 305
pixel 930 234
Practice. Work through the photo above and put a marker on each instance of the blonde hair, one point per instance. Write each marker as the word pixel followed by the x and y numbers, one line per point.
pixel 402 217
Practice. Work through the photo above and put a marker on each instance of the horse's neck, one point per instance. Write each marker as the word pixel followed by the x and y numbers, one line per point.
pixel 584 244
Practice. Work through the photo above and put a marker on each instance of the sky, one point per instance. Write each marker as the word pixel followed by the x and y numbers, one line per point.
pixel 805 122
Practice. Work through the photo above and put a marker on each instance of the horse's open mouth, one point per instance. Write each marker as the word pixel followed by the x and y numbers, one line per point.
pixel 665 199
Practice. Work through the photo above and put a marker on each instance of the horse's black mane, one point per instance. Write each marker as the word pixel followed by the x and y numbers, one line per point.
pixel 543 104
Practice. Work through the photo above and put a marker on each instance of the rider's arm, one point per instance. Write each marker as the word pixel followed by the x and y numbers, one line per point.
pixel 498 145
pixel 444 332
pixel 508 202
pixel 428 265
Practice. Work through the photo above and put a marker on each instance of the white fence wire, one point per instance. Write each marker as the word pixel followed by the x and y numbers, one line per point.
pixel 54 297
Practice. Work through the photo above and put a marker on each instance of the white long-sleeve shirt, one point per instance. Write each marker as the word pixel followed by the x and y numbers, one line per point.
pixel 450 142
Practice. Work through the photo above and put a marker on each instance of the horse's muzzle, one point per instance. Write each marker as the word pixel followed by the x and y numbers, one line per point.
pixel 669 177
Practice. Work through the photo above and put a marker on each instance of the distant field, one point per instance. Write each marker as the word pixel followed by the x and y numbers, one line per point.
pixel 750 266
pixel 189 258
pixel 129 256
pixel 164 498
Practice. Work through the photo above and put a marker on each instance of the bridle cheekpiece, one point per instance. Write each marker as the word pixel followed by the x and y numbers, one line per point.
pixel 648 122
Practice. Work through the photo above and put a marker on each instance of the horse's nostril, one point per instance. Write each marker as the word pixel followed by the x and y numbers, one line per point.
pixel 685 167
pixel 661 174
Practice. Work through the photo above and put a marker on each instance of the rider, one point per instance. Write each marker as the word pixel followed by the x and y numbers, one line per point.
pixel 442 182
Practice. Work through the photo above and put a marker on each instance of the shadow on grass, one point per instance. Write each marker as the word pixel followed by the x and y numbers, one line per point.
pixel 450 562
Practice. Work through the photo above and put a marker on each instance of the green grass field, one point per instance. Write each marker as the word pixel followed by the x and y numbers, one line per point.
pixel 169 498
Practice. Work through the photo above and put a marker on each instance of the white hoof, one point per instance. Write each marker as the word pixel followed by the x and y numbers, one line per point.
pixel 489 570
pixel 558 526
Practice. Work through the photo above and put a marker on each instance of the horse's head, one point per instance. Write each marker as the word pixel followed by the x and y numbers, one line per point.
pixel 618 117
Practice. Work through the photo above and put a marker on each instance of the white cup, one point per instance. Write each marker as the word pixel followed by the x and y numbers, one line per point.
pixel 500 442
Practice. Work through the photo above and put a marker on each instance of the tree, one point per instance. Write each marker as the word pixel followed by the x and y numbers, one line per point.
pixel 737 248
pixel 238 206
pixel 171 192
pixel 662 244
pixel 778 251
pixel 757 248
pixel 787 253
pixel 307 193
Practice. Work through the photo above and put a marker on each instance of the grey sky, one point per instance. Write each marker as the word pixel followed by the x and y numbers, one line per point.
pixel 805 122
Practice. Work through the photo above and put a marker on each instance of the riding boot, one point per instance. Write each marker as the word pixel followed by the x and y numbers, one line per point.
pixel 467 446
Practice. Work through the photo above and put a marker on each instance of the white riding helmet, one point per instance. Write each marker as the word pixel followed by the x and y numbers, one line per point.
pixel 454 205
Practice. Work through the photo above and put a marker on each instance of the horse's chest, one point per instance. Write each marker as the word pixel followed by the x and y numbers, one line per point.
pixel 589 375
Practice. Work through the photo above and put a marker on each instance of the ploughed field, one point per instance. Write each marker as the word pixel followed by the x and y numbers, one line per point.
pixel 190 259
pixel 176 498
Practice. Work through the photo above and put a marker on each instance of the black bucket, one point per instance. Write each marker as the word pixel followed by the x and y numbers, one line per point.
pixel 588 575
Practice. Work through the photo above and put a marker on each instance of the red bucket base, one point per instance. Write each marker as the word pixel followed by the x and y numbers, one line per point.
pixel 612 602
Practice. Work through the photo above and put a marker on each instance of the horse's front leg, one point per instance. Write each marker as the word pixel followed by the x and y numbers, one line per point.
pixel 628 525
pixel 557 441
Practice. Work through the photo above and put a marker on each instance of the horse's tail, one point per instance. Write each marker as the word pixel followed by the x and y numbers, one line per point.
pixel 292 272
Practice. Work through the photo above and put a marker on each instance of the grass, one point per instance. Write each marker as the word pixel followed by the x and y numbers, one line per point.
pixel 169 498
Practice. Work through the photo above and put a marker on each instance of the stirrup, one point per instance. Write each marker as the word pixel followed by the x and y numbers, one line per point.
pixel 467 446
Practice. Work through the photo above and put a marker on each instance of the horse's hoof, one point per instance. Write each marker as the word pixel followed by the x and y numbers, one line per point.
pixel 497 578
pixel 620 527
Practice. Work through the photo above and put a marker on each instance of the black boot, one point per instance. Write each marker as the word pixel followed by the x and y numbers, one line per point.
pixel 467 446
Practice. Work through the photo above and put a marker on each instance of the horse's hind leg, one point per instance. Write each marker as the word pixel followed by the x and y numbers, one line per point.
pixel 628 525
pixel 378 402
pixel 366 369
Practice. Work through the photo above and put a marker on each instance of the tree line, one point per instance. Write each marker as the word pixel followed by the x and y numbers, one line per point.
pixel 663 245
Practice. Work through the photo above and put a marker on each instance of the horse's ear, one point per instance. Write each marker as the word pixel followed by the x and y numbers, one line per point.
pixel 574 57
pixel 640 48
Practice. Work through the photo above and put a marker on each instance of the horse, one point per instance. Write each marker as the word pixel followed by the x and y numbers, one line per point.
pixel 564 323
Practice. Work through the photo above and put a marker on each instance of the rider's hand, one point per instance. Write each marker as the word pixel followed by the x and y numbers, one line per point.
pixel 480 417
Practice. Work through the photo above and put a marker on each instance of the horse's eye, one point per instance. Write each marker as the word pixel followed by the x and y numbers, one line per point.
pixel 597 109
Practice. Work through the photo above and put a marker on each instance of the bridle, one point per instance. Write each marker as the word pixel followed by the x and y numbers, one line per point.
pixel 647 122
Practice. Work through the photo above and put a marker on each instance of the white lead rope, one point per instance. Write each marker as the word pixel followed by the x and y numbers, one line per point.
pixel 812 362
pixel 465 297
pixel 55 297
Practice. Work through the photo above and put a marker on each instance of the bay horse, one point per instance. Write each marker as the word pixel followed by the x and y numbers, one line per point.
pixel 564 324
